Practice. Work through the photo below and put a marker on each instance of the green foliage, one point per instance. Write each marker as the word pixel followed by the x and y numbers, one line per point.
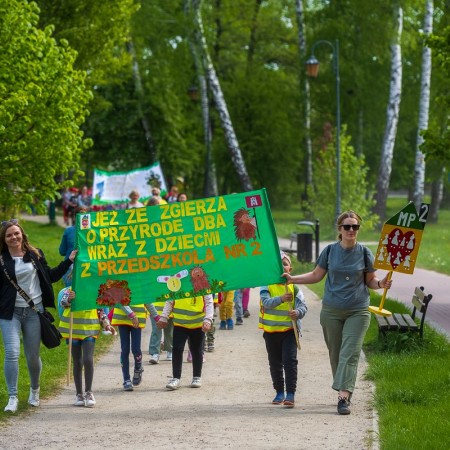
pixel 43 106
pixel 355 192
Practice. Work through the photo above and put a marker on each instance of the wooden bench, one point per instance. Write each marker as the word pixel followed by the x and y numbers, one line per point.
pixel 293 239
pixel 403 323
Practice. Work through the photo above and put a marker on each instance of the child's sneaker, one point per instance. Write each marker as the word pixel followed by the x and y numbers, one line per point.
pixel 279 398
pixel 173 384
pixel 223 325
pixel 137 376
pixel 210 347
pixel 239 321
pixel 79 400
pixel 196 382
pixel 189 356
pixel 289 401
pixel 127 386
pixel 154 359
pixel 90 399
pixel 246 313
pixel 169 356
pixel 230 324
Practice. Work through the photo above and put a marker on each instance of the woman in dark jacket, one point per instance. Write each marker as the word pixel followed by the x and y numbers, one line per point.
pixel 27 267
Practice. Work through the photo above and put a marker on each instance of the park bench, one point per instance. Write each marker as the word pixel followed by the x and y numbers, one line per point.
pixel 403 323
pixel 291 249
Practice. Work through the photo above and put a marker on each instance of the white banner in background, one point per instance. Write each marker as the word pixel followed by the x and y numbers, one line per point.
pixel 115 187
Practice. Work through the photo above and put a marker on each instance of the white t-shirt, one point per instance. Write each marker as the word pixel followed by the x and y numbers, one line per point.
pixel 28 280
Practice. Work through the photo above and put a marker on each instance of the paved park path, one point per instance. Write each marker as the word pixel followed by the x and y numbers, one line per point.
pixel 231 410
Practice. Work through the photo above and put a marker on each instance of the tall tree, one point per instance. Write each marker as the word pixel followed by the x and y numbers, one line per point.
pixel 140 97
pixel 44 104
pixel 219 101
pixel 424 106
pixel 304 83
pixel 392 114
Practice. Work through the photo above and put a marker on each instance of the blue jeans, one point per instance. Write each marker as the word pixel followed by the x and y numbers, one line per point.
pixel 154 346
pixel 130 335
pixel 25 321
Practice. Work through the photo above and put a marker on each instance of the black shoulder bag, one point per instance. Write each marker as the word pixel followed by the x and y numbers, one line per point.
pixel 50 335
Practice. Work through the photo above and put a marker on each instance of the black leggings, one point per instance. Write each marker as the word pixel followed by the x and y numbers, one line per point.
pixel 195 342
pixel 83 356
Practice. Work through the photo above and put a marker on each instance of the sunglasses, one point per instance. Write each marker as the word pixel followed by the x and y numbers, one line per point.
pixel 353 227
pixel 10 222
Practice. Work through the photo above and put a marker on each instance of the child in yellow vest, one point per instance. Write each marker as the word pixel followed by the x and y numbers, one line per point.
pixel 192 317
pixel 130 321
pixel 86 326
pixel 277 318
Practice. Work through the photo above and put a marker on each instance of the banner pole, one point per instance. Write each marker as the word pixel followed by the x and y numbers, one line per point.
pixel 69 357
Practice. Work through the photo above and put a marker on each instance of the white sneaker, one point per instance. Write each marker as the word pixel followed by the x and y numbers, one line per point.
pixel 33 399
pixel 154 359
pixel 196 382
pixel 12 405
pixel 79 400
pixel 90 399
pixel 174 383
pixel 169 356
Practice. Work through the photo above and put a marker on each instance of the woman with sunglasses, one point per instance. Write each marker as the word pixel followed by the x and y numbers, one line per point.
pixel 26 266
pixel 344 317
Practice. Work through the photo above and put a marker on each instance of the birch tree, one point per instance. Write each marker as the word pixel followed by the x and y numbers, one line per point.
pixel 219 100
pixel 424 106
pixel 140 97
pixel 392 114
pixel 304 83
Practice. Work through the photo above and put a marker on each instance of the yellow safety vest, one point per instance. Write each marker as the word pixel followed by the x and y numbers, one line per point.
pixel 120 317
pixel 84 324
pixel 276 320
pixel 189 312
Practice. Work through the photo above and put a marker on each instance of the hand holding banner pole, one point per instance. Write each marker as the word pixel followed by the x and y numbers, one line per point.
pixel 380 311
pixel 294 321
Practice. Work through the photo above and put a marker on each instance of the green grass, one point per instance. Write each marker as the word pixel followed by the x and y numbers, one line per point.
pixel 54 361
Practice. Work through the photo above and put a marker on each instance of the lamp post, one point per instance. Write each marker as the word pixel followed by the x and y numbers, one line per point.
pixel 312 69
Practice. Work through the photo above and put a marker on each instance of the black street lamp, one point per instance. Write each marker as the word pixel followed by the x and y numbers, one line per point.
pixel 312 69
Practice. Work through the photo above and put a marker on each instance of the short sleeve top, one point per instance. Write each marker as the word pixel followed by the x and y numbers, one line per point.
pixel 345 287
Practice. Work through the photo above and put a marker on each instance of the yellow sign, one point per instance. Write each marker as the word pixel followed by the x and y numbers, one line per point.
pixel 400 240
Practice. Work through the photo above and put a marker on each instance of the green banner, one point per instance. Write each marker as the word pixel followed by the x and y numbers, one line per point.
pixel 174 251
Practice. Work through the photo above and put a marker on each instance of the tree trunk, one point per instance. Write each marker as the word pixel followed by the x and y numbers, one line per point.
pixel 210 182
pixel 424 106
pixel 304 83
pixel 220 103
pixel 140 95
pixel 392 113
pixel 437 194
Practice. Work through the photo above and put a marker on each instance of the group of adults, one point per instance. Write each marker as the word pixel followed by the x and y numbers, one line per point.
pixel 345 318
